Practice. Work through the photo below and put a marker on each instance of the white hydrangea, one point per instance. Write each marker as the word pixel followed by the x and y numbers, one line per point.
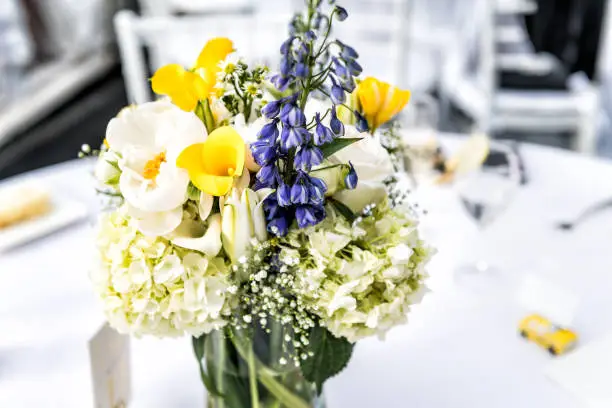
pixel 149 286
pixel 362 280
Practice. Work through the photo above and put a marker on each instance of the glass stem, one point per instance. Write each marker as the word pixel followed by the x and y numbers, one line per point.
pixel 480 263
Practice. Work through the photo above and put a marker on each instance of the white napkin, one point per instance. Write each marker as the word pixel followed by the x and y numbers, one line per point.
pixel 556 303
pixel 586 372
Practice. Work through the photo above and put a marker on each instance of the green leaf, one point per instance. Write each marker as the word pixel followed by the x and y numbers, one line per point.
pixel 338 144
pixel 193 192
pixel 331 355
pixel 114 163
pixel 202 111
pixel 199 345
pixel 343 209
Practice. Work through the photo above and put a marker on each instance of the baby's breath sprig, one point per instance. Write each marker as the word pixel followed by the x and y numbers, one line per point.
pixel 268 297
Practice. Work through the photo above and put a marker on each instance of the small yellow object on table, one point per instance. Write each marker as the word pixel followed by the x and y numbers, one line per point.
pixel 540 330
pixel 23 202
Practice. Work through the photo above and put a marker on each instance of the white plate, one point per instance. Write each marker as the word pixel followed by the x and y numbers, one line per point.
pixel 64 212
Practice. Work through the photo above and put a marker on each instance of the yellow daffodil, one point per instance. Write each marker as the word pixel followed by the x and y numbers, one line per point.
pixel 380 101
pixel 187 87
pixel 214 164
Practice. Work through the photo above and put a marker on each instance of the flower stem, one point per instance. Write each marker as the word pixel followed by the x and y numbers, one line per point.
pixel 266 377
pixel 220 354
pixel 253 379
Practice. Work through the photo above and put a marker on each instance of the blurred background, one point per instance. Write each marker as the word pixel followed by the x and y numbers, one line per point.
pixel 538 72
pixel 532 70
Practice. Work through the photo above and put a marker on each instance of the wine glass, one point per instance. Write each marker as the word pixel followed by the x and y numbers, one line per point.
pixel 420 143
pixel 485 193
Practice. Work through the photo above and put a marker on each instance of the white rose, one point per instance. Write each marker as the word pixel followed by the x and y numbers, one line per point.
pixel 149 138
pixel 372 164
pixel 371 161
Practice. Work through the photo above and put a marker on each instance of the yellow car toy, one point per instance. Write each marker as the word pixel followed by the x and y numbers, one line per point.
pixel 543 332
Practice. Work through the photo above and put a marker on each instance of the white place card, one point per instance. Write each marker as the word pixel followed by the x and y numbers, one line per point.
pixel 554 302
pixel 109 354
pixel 586 373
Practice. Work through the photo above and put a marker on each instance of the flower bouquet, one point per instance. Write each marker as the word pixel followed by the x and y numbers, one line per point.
pixel 260 215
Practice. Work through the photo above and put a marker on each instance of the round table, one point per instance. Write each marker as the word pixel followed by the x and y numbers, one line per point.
pixel 459 349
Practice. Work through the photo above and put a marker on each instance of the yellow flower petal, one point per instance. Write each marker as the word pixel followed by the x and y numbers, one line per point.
pixel 213 185
pixel 371 93
pixel 380 101
pixel 167 79
pixel 224 152
pixel 214 164
pixel 184 88
pixel 191 158
pixel 395 101
pixel 215 51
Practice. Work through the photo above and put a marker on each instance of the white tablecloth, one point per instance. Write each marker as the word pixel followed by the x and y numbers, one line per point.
pixel 458 350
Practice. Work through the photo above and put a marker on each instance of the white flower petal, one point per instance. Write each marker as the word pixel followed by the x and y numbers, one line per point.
pixel 205 205
pixel 168 270
pixel 156 223
pixel 209 243
pixel 365 193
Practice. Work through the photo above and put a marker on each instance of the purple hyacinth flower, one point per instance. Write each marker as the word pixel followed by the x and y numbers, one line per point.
pixel 263 152
pixel 302 52
pixel 336 124
pixel 340 70
pixel 309 215
pixel 268 175
pixel 337 93
pixel 351 179
pixel 362 123
pixel 292 115
pixel 272 109
pixel 307 157
pixel 354 67
pixel 316 189
pixel 322 133
pixel 271 207
pixel 269 132
pixel 348 52
pixel 286 66
pixel 286 46
pixel 279 226
pixel 281 82
pixel 348 85
pixel 293 137
pixel 299 194
pixel 310 35
pixel 301 70
pixel 341 13
pixel 283 195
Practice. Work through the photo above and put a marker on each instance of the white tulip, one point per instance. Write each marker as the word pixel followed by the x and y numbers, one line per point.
pixel 243 219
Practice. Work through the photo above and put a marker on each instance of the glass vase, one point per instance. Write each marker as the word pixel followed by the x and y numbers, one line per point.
pixel 253 368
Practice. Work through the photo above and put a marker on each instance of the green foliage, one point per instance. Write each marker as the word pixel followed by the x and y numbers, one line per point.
pixel 331 355
pixel 337 145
